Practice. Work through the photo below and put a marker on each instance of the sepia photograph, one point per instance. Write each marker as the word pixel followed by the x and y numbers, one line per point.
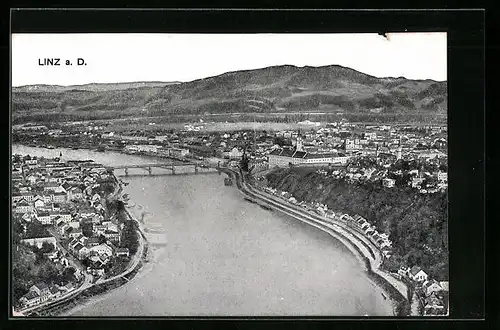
pixel 219 175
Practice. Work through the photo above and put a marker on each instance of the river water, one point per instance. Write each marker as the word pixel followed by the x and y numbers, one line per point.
pixel 215 254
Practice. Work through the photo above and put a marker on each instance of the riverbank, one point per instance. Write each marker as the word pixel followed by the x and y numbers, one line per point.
pixel 229 239
pixel 360 249
pixel 108 285
pixel 62 307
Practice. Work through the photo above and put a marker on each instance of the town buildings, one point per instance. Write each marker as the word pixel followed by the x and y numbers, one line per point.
pixel 64 198
pixel 374 154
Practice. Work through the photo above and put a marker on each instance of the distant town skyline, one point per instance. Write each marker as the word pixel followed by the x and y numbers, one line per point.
pixel 115 58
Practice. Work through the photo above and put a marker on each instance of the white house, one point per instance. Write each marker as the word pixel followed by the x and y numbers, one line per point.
pixel 416 182
pixel 389 183
pixel 442 176
pixel 122 252
pixel 234 153
pixel 74 224
pixel 38 241
pixel 417 274
pixel 112 235
pixel 75 193
pixel 96 197
pixel 75 233
pixel 431 286
pixel 445 285
pixel 102 249
pixel 65 216
pixel 44 217
pixel 179 152
pixel 28 196
pixel 83 252
pixel 32 179
pixel 23 206
pixel 30 299
pixel 59 196
pixel 46 196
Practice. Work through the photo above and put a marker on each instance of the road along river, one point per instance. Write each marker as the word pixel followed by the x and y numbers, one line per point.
pixel 215 254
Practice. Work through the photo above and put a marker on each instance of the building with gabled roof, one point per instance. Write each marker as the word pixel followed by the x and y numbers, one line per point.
pixel 445 285
pixel 30 299
pixel 38 241
pixel 102 249
pixel 431 286
pixel 298 156
pixel 417 274
pixel 122 252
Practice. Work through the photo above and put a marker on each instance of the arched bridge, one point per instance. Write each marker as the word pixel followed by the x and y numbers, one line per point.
pixel 172 167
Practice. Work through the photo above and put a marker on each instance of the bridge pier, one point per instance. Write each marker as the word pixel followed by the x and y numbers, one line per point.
pixel 173 170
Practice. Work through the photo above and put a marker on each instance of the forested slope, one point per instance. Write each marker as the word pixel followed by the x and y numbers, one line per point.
pixel 417 223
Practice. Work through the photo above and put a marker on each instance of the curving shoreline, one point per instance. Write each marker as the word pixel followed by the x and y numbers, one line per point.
pixel 348 239
pixel 353 247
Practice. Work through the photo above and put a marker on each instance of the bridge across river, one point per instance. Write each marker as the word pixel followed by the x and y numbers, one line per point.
pixel 171 167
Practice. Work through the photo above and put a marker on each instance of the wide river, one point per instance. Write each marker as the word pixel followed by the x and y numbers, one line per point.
pixel 215 254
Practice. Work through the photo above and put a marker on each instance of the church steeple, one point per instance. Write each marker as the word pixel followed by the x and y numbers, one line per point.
pixel 398 155
pixel 300 144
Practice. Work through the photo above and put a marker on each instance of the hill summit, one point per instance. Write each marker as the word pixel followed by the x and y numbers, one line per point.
pixel 285 88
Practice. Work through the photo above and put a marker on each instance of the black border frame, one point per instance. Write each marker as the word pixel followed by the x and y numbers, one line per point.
pixel 466 82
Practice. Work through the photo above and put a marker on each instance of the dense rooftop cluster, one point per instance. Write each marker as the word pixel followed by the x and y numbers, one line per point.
pixel 67 196
pixel 61 206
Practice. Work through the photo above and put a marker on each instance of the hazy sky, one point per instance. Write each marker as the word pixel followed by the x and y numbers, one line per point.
pixel 186 57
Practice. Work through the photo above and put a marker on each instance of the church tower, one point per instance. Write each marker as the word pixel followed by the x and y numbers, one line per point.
pixel 398 155
pixel 300 143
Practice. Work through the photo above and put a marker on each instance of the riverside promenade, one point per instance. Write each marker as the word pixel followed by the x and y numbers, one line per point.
pixel 358 244
pixel 369 250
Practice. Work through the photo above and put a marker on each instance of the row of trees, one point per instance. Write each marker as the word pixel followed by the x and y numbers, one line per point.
pixel 128 237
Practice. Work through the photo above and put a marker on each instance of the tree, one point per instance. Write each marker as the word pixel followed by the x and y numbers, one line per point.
pixel 47 272
pixel 102 239
pixel 129 237
pixel 281 141
pixel 86 262
pixel 17 231
pixel 106 187
pixel 36 229
pixel 47 247
pixel 116 206
pixel 87 229
pixel 417 223
pixel 68 274
pixel 23 262
pixel 244 163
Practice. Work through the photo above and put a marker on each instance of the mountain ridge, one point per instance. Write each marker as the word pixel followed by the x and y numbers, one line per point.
pixel 93 86
pixel 331 89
